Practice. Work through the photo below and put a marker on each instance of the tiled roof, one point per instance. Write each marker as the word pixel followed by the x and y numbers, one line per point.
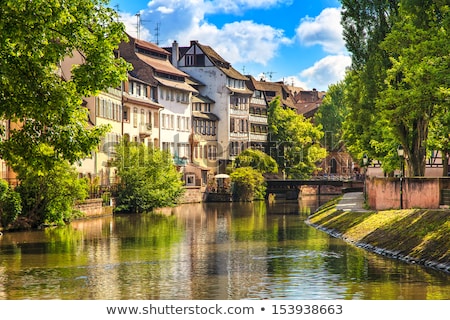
pixel 160 65
pixel 220 63
pixel 150 46
pixel 175 84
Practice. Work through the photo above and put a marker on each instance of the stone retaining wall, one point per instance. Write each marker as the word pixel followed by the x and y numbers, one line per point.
pixel 417 192
pixel 94 208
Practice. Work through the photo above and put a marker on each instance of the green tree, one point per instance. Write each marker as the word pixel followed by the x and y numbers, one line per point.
pixel 48 196
pixel 257 160
pixel 331 115
pixel 418 80
pixel 366 24
pixel 295 141
pixel 10 204
pixel 35 36
pixel 148 178
pixel 248 184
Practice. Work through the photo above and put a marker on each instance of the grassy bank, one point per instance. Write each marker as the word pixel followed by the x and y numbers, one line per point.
pixel 415 235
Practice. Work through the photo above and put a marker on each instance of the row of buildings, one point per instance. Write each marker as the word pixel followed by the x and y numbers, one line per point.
pixel 188 101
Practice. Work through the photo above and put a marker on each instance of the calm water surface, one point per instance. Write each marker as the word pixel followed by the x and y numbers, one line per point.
pixel 205 251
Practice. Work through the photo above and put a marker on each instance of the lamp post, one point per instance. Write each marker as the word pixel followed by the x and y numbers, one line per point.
pixel 401 154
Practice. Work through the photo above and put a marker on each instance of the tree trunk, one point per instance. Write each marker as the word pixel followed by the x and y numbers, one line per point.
pixel 416 151
pixel 444 163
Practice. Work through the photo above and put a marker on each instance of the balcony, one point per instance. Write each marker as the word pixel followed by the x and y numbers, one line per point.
pixel 145 130
pixel 238 112
pixel 258 137
pixel 254 118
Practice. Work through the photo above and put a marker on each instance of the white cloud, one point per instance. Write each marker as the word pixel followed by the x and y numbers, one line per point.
pixel 324 30
pixel 326 71
pixel 131 25
pixel 237 42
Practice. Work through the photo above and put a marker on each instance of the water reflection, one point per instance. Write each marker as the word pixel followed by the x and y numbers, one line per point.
pixel 204 251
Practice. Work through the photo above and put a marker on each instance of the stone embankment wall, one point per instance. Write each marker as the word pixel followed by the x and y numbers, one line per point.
pixel 418 192
pixel 94 208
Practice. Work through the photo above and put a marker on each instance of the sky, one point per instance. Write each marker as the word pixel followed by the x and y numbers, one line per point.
pixel 296 41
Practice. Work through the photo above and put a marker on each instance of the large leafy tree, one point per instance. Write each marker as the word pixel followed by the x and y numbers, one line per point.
pixel 295 141
pixel 331 115
pixel 366 24
pixel 35 36
pixel 148 178
pixel 418 80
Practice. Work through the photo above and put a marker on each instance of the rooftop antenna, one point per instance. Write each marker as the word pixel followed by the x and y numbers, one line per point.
pixel 269 73
pixel 157 29
pixel 138 24
pixel 243 69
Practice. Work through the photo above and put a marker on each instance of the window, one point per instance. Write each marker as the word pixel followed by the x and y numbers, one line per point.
pixel 212 153
pixel 190 179
pixel 126 112
pixel 131 87
pixel 189 60
pixel 154 93
pixel 135 117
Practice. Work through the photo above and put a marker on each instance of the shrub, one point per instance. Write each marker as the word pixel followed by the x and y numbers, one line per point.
pixel 48 196
pixel 148 178
pixel 248 184
pixel 10 204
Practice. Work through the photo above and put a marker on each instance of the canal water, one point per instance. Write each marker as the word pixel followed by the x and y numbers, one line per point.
pixel 215 251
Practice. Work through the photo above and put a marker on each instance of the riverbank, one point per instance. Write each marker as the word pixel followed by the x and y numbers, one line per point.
pixel 418 236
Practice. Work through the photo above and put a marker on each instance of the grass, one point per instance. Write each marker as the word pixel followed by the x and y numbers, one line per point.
pixel 421 234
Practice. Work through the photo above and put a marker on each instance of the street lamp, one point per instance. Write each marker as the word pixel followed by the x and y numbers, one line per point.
pixel 401 154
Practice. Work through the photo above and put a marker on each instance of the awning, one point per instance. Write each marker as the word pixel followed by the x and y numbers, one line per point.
pixel 221 176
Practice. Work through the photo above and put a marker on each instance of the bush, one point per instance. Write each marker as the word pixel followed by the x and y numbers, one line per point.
pixel 10 204
pixel 148 179
pixel 48 196
pixel 248 184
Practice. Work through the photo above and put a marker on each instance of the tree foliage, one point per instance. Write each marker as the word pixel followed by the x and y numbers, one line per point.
pixel 35 36
pixel 248 184
pixel 399 80
pixel 366 24
pixel 148 178
pixel 295 141
pixel 257 160
pixel 48 196
pixel 418 80
pixel 10 204
pixel 331 115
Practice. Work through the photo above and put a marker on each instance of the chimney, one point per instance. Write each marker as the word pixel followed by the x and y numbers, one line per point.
pixel 175 53
pixel 193 42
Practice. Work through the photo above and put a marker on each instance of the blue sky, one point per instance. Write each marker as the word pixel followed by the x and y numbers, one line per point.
pixel 298 42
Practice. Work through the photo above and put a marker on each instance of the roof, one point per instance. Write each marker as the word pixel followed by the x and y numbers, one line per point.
pixel 205 115
pixel 150 46
pixel 175 84
pixel 242 91
pixel 308 109
pixel 278 88
pixel 200 98
pixel 160 65
pixel 220 63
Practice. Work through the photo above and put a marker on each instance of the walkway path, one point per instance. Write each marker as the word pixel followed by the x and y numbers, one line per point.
pixel 352 201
